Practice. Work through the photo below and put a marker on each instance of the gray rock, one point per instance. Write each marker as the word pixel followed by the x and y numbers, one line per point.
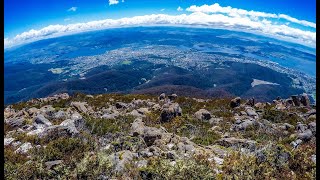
pixel 151 134
pixel 296 143
pixel 135 113
pixel 172 97
pixel 306 135
pixel 313 127
pixel 301 127
pixel 80 106
pixel 162 96
pixel 288 126
pixel 33 111
pixel 8 141
pixel 47 110
pixel 142 163
pixel 76 116
pixel 202 114
pixel 121 105
pixel 15 122
pixel 237 143
pixel 24 148
pixel 171 155
pixel 120 159
pixel 170 111
pixel 60 115
pixel 305 100
pixel 143 111
pixel 41 120
pixel 314 158
pixel 251 112
pixel 137 127
pixel 50 164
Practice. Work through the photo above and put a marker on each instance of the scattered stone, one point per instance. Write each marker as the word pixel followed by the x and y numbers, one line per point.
pixel 121 105
pixel 80 106
pixel 50 164
pixel 40 120
pixel 202 114
pixel 16 122
pixel 234 142
pixel 251 112
pixel 306 135
pixel 24 148
pixel 8 141
pixel 170 111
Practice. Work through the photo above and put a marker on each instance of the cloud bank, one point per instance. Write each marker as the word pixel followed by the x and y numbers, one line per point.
pixel 234 12
pixel 205 16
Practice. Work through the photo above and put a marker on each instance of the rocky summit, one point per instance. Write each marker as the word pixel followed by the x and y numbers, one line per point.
pixel 113 136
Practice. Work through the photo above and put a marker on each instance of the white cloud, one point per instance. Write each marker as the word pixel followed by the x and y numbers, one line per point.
pixel 162 9
pixel 234 12
pixel 179 9
pixel 112 2
pixel 73 9
pixel 235 22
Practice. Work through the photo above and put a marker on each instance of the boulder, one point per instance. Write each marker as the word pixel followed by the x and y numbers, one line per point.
pixel 313 127
pixel 296 100
pixel 202 114
pixel 137 127
pixel 250 102
pixel 172 97
pixel 47 110
pixel 16 122
pixel 306 135
pixel 33 111
pixel 40 120
pixel 143 111
pixel 162 96
pixel 251 112
pixel 170 111
pixel 301 127
pixel 305 100
pixel 235 102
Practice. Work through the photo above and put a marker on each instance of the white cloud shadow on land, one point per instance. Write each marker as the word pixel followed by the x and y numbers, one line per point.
pixel 236 21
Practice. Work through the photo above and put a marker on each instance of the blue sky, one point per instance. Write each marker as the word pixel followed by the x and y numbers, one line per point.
pixel 22 15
